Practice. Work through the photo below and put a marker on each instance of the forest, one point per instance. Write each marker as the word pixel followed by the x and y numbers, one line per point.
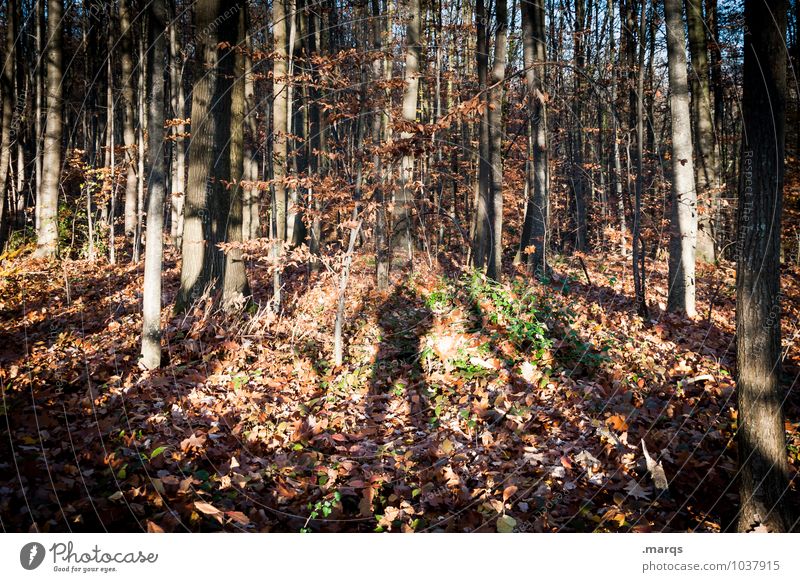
pixel 399 266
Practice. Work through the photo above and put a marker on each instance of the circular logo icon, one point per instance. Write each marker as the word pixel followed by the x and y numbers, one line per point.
pixel 31 555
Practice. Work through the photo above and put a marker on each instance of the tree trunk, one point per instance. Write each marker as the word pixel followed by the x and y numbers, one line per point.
pixel 212 210
pixel 482 221
pixel 683 235
pixel 638 254
pixel 235 289
pixel 39 107
pixel 495 263
pixel 139 158
pixel 537 211
pixel 712 20
pixel 111 136
pixel 178 195
pixel 128 132
pixel 299 121
pixel 578 179
pixel 764 470
pixel 8 120
pixel 706 168
pixel 47 243
pixel 615 120
pixel 293 15
pixel 252 195
pixel 404 199
pixel 312 155
pixel 156 185
pixel 382 256
pixel 280 105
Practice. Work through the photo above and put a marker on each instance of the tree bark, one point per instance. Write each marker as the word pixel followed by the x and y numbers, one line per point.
pixel 128 132
pixel 638 254
pixel 537 210
pixel 764 470
pixel 39 108
pixel 8 120
pixel 111 136
pixel 578 178
pixel 404 199
pixel 47 243
pixel 156 183
pixel 495 263
pixel 683 235
pixel 178 194
pixel 235 289
pixel 212 210
pixel 382 254
pixel 712 20
pixel 138 226
pixel 482 220
pixel 706 169
pixel 252 195
pixel 280 111
pixel 623 227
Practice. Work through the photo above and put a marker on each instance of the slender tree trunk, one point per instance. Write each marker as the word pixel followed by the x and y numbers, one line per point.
pixel 404 199
pixel 764 470
pixel 20 118
pixel 495 263
pixel 650 92
pixel 536 212
pixel 706 169
pixel 315 145
pixel 156 184
pixel 382 256
pixel 280 104
pixel 139 158
pixel 178 195
pixel 39 106
pixel 252 195
pixel 578 177
pixel 235 289
pixel 683 235
pixel 638 254
pixel 111 137
pixel 8 119
pixel 299 121
pixel 724 213
pixel 338 344
pixel 712 20
pixel 481 228
pixel 47 244
pixel 128 132
pixel 294 15
pixel 615 115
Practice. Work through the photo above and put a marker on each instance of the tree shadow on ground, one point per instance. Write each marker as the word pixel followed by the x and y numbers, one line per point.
pixel 397 399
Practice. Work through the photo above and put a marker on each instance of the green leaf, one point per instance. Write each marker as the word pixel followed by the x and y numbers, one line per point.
pixel 157 451
pixel 506 524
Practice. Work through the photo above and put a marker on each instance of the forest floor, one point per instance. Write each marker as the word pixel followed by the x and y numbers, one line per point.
pixel 462 405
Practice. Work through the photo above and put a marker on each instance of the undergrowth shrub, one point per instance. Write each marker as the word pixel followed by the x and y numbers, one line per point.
pixel 537 320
